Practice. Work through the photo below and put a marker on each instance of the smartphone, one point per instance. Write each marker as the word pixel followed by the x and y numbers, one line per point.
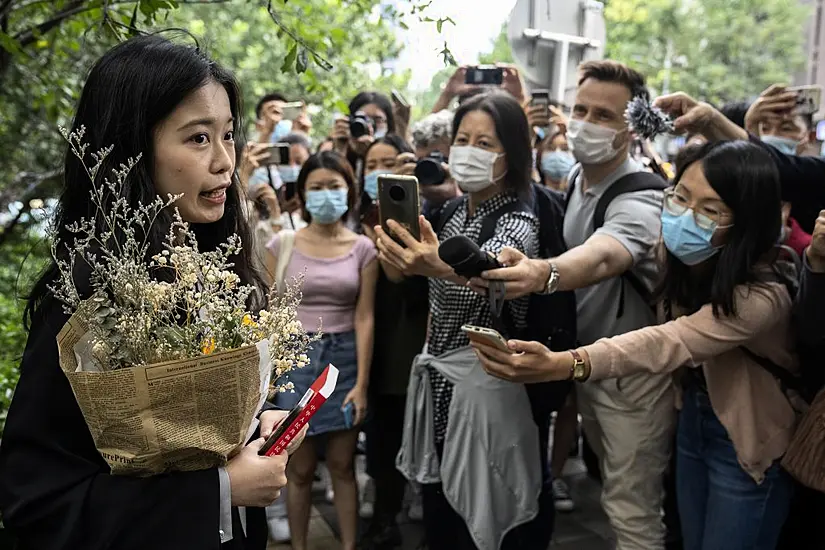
pixel 808 99
pixel 349 415
pixel 398 98
pixel 540 97
pixel 291 426
pixel 278 154
pixel 486 336
pixel 485 75
pixel 292 110
pixel 398 201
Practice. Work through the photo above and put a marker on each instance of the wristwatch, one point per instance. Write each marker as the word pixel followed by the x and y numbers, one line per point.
pixel 579 371
pixel 552 284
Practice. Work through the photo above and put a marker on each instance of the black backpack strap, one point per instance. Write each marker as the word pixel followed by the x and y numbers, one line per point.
pixel 630 183
pixel 787 380
pixel 502 319
pixel 446 213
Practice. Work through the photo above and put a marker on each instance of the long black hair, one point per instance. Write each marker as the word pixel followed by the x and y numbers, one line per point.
pixel 747 180
pixel 129 91
pixel 512 130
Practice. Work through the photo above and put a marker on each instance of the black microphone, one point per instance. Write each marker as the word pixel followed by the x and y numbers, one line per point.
pixel 465 257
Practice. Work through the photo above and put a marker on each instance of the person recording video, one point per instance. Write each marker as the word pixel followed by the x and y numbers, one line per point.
pixel 491 162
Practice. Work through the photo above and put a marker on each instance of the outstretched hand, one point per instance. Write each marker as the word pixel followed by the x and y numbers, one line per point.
pixel 521 275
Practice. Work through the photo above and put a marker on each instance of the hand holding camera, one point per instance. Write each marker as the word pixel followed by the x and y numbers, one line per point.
pixel 405 164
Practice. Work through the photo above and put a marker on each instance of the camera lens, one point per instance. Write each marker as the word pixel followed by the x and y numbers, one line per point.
pixel 397 193
pixel 429 172
pixel 358 128
pixel 360 125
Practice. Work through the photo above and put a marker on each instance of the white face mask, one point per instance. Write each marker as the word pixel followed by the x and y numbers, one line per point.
pixel 472 167
pixel 591 143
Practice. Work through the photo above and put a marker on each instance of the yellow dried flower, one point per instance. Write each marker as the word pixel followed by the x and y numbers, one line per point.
pixel 208 346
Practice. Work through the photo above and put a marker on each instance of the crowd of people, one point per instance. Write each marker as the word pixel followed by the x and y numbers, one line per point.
pixel 693 339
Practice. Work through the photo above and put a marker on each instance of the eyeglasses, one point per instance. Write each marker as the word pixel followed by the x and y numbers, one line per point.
pixel 677 205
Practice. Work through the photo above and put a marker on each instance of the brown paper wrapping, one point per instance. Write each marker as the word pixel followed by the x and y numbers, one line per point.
pixel 180 416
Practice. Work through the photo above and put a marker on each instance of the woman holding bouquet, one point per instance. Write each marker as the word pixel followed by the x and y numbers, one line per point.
pixel 179 109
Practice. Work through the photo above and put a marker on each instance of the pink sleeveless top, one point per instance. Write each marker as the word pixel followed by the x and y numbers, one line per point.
pixel 331 285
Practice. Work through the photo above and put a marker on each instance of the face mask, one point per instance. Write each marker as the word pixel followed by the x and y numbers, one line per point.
pixel 557 164
pixel 591 143
pixel 685 239
pixel 380 132
pixel 785 145
pixel 326 206
pixel 540 133
pixel 371 182
pixel 289 174
pixel 282 129
pixel 472 167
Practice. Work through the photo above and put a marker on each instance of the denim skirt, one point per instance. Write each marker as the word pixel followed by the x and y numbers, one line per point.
pixel 338 349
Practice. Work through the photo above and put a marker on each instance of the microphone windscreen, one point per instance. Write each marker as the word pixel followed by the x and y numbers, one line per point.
pixel 457 249
pixel 465 257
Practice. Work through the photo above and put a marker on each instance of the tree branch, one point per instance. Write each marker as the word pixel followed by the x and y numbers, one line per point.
pixel 322 62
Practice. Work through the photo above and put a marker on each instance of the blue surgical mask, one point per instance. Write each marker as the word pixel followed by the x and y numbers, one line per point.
pixel 371 182
pixel 380 132
pixel 785 145
pixel 685 239
pixel 327 206
pixel 556 165
pixel 541 133
pixel 282 129
pixel 289 174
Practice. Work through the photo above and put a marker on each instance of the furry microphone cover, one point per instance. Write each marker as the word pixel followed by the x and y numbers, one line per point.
pixel 646 120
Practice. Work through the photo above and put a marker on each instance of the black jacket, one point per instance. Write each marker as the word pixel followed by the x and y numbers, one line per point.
pixel 803 184
pixel 57 493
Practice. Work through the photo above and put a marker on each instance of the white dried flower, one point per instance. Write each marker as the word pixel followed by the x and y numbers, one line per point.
pixel 136 319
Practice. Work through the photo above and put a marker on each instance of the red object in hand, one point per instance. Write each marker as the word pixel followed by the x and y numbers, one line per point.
pixel 291 426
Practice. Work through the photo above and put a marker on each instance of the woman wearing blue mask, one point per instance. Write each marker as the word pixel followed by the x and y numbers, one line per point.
pixel 554 161
pixel 339 271
pixel 726 309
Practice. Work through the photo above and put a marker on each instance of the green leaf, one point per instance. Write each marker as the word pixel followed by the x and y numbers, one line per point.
pixel 10 44
pixel 289 60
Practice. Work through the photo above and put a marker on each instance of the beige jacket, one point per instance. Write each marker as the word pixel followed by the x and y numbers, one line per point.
pixel 749 402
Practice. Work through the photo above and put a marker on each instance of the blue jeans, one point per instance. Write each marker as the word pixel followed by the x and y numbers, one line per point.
pixel 721 507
